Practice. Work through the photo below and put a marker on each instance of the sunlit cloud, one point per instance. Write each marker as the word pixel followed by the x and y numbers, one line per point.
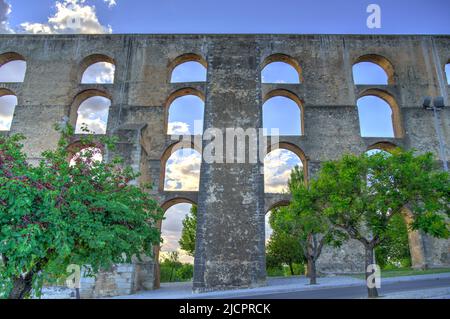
pixel 7 105
pixel 71 16
pixel 93 112
pixel 5 10
pixel 178 128
pixel 110 3
pixel 101 72
pixel 183 171
pixel 278 165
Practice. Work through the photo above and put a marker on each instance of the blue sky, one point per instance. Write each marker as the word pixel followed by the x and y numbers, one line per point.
pixel 251 16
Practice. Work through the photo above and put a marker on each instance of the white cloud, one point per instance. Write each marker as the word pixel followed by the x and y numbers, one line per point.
pixel 101 72
pixel 278 165
pixel 178 128
pixel 5 10
pixel 110 3
pixel 7 105
pixel 183 171
pixel 72 16
pixel 94 113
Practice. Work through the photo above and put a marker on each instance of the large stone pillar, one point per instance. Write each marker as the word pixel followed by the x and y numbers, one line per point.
pixel 230 235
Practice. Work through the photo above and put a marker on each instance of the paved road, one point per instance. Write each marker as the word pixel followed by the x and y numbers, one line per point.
pixel 355 292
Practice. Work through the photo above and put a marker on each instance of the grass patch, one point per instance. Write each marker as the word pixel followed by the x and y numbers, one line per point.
pixel 406 272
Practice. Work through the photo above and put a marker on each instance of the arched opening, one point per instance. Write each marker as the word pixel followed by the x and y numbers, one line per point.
pixel 283 252
pixel 282 113
pixel 181 168
pixel 373 69
pixel 188 68
pixel 447 72
pixel 403 246
pixel 89 113
pixel 278 165
pixel 281 68
pixel 379 115
pixel 13 68
pixel 175 211
pixel 273 208
pixel 98 69
pixel 8 102
pixel 185 110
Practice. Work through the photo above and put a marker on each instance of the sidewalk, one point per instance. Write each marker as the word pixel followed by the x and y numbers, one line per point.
pixel 435 293
pixel 278 285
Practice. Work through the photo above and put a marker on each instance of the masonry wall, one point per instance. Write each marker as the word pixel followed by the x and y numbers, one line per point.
pixel 231 201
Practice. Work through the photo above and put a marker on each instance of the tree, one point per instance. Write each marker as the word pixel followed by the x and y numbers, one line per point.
pixel 173 263
pixel 304 219
pixel 56 214
pixel 361 194
pixel 394 249
pixel 282 248
pixel 188 234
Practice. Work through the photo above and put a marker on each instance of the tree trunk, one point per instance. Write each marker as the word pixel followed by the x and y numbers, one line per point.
pixel 312 271
pixel 21 287
pixel 291 269
pixel 308 268
pixel 372 291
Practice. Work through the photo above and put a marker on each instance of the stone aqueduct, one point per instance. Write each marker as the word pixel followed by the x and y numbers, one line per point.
pixel 231 200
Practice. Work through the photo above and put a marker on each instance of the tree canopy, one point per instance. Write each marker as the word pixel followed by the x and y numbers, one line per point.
pixel 361 194
pixel 189 232
pixel 57 213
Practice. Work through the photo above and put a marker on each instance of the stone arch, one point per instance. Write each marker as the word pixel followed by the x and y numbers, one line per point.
pixel 284 58
pixel 281 203
pixel 82 97
pixel 293 97
pixel 11 57
pixel 91 60
pixel 168 153
pixel 384 146
pixel 390 100
pixel 184 58
pixel 5 93
pixel 382 62
pixel 175 201
pixel 179 94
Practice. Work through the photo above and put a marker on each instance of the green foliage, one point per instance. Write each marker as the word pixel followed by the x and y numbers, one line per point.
pixel 172 270
pixel 304 220
pixel 393 251
pixel 285 270
pixel 188 234
pixel 362 193
pixel 282 248
pixel 55 214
